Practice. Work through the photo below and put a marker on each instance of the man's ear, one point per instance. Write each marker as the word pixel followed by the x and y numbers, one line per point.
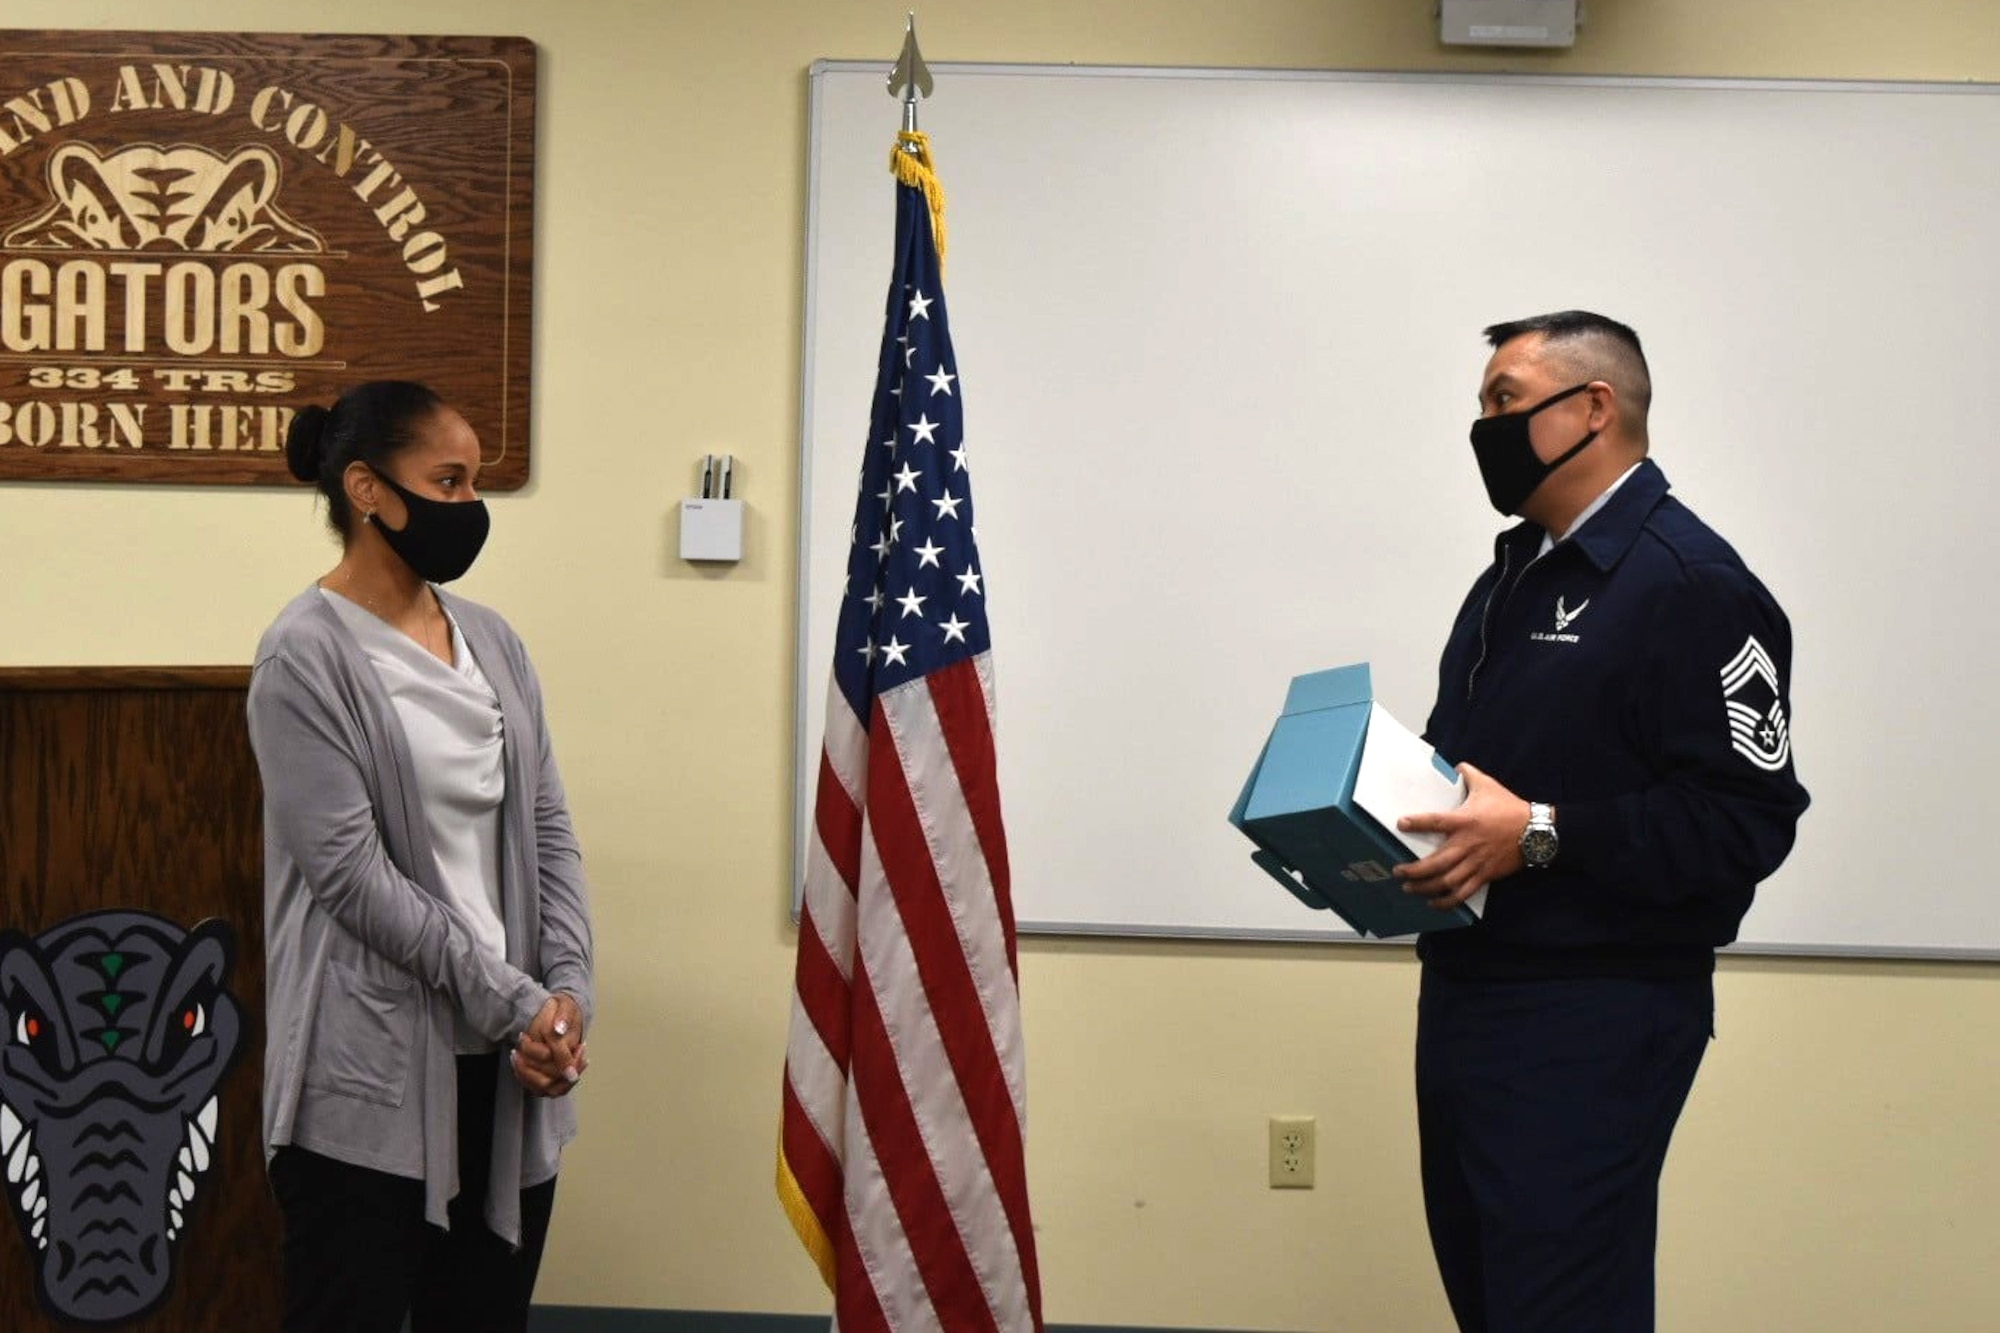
pixel 1603 404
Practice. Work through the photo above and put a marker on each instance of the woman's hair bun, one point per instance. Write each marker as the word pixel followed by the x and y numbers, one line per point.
pixel 305 442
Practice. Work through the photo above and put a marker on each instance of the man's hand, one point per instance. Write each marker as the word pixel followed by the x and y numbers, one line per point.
pixel 1482 843
pixel 550 1057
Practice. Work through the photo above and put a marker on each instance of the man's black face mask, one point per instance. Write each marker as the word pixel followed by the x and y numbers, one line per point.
pixel 1507 461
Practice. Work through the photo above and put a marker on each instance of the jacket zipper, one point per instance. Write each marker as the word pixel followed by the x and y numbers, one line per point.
pixel 1501 591
pixel 1486 616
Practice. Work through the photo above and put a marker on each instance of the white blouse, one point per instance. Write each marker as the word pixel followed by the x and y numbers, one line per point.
pixel 451 717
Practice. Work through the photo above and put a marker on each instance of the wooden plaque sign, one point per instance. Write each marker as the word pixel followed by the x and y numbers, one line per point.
pixel 202 232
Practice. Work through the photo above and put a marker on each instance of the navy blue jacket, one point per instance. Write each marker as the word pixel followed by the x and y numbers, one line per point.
pixel 1635 677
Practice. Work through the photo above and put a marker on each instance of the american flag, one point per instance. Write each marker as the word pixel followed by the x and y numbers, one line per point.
pixel 900 1155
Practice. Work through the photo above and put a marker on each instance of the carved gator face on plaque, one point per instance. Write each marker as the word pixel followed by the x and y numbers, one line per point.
pixel 144 197
pixel 118 1028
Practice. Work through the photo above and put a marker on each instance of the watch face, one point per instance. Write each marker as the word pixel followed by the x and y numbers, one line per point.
pixel 1538 846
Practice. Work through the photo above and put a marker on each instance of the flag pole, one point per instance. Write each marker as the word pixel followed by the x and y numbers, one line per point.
pixel 911 77
pixel 910 160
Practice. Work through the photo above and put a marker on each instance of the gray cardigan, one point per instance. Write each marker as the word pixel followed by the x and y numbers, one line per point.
pixel 366 964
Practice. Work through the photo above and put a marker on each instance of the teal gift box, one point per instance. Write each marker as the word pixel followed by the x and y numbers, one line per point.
pixel 1312 833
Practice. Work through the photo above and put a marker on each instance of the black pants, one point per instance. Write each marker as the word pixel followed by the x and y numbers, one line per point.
pixel 359 1256
pixel 1545 1109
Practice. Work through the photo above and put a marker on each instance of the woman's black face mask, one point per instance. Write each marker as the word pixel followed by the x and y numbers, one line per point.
pixel 440 538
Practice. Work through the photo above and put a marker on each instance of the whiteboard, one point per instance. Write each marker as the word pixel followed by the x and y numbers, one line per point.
pixel 1218 336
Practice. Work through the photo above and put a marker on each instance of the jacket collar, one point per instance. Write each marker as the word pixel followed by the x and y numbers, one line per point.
pixel 1610 532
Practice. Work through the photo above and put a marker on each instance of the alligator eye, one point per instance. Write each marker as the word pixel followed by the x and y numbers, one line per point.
pixel 34 1032
pixel 182 1025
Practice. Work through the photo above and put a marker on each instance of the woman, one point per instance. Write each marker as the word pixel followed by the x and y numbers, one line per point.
pixel 424 899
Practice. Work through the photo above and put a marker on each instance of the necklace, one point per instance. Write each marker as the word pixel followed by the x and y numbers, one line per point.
pixel 441 650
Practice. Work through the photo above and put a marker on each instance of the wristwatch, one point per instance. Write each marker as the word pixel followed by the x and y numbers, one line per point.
pixel 1538 840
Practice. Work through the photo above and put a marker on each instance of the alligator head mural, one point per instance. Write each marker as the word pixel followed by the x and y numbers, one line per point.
pixel 145 197
pixel 116 1029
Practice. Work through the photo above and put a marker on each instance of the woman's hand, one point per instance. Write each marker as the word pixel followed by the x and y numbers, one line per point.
pixel 550 1057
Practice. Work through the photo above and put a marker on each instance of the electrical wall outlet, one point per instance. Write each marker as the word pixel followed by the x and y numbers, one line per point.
pixel 1292 1152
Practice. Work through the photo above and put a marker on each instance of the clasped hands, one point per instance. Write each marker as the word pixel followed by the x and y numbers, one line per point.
pixel 550 1057
pixel 1482 843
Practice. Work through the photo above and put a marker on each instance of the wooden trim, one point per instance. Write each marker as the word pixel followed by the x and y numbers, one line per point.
pixel 25 679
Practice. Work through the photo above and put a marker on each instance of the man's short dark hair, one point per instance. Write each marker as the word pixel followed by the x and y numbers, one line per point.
pixel 1593 347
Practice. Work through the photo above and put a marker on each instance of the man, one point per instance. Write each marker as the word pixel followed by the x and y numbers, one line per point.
pixel 1616 687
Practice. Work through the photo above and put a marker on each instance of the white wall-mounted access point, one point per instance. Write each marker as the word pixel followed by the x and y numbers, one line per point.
pixel 712 530
pixel 712 519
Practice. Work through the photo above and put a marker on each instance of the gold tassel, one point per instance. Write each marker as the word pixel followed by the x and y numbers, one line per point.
pixel 910 159
pixel 804 1221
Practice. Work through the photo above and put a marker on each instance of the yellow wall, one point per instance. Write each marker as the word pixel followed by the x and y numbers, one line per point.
pixel 1837 1167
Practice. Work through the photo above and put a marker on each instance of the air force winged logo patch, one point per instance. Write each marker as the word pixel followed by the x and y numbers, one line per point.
pixel 1565 617
pixel 1755 704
